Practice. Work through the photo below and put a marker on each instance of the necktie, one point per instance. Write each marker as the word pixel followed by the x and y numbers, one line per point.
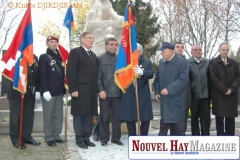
pixel 90 55
pixel 225 61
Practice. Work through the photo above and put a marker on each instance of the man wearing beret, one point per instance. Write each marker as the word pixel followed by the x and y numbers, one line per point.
pixel 51 76
pixel 170 86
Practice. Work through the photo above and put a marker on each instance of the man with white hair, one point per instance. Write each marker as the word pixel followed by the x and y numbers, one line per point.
pixel 127 109
pixel 225 78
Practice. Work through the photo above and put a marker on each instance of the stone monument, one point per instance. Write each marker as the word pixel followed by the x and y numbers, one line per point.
pixel 103 22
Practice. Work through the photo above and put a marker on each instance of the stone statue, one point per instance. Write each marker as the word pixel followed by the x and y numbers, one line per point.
pixel 103 22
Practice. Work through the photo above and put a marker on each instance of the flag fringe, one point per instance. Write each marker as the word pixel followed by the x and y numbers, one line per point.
pixel 126 69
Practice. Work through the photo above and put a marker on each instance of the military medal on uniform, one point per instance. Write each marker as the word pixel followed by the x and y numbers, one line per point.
pixel 52 63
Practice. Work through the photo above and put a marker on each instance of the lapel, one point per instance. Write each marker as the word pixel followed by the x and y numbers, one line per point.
pixel 87 56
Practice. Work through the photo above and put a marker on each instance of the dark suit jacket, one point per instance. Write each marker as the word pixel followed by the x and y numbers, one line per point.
pixel 82 77
pixel 49 78
pixel 32 81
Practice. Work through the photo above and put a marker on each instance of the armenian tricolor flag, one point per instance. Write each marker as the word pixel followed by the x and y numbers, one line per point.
pixel 128 54
pixel 14 63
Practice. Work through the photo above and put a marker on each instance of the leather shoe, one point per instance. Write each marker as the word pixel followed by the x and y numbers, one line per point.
pixel 90 144
pixel 82 145
pixel 16 145
pixel 96 137
pixel 103 143
pixel 32 142
pixel 60 140
pixel 51 143
pixel 118 143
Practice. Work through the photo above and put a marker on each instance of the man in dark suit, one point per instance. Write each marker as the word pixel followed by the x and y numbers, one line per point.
pixel 82 72
pixel 127 107
pixel 14 97
pixel 51 76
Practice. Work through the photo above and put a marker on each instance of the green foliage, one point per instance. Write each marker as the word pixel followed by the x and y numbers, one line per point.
pixel 146 23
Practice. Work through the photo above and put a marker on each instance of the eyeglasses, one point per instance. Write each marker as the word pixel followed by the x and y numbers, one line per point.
pixel 92 38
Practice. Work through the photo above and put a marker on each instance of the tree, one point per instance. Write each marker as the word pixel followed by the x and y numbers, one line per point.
pixel 50 28
pixel 198 22
pixel 146 23
pixel 7 21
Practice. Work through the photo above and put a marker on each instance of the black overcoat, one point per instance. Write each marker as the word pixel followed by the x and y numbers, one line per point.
pixel 224 77
pixel 82 77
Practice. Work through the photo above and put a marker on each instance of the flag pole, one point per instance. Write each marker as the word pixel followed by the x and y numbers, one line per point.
pixel 137 106
pixel 66 116
pixel 21 113
pixel 137 102
pixel 66 106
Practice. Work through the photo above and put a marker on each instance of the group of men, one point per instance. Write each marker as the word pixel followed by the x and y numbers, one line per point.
pixel 179 84
pixel 193 84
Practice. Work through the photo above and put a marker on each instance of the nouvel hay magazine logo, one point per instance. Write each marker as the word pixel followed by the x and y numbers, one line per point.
pixel 183 147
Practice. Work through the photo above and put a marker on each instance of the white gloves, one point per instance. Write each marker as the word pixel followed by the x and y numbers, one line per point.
pixel 47 96
pixel 138 71
pixel 37 95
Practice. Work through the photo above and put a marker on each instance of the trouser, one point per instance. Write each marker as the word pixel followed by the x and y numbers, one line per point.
pixel 200 108
pixel 179 128
pixel 109 106
pixel 229 126
pixel 27 123
pixel 131 126
pixel 52 117
pixel 172 132
pixel 83 127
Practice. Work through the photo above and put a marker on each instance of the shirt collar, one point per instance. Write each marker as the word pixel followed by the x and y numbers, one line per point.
pixel 197 60
pixel 170 58
pixel 86 49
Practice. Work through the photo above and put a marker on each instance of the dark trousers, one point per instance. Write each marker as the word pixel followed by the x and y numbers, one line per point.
pixel 83 127
pixel 229 126
pixel 28 118
pixel 131 126
pixel 109 106
pixel 172 132
pixel 200 108
pixel 179 128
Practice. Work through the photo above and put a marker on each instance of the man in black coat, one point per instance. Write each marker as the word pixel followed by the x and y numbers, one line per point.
pixel 82 72
pixel 51 76
pixel 225 78
pixel 14 96
pixel 109 93
pixel 127 107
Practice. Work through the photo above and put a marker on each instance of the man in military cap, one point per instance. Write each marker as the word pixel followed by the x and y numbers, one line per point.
pixel 51 76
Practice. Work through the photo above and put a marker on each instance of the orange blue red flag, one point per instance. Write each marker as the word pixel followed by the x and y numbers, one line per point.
pixel 128 54
pixel 14 63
